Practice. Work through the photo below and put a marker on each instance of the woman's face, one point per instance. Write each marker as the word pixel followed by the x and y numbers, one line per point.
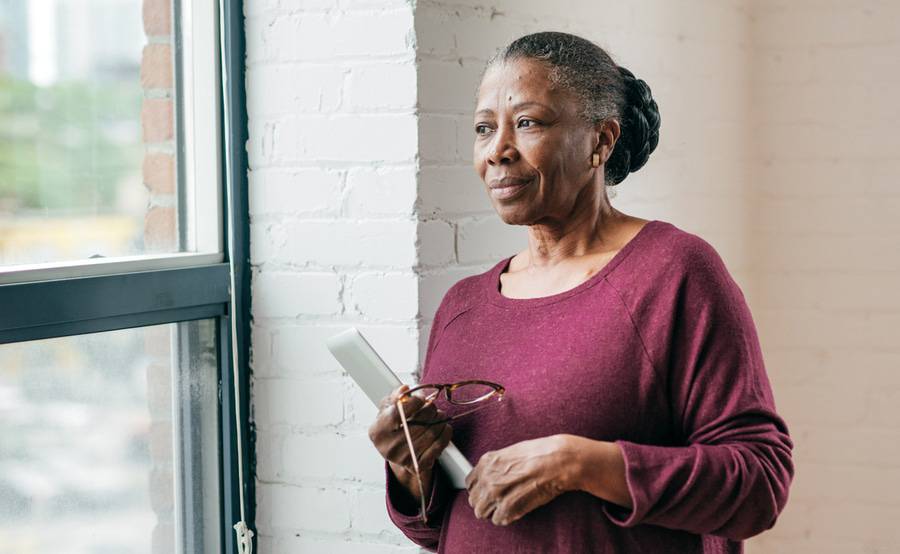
pixel 529 134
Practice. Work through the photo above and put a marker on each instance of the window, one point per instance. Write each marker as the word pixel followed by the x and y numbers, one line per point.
pixel 106 432
pixel 123 277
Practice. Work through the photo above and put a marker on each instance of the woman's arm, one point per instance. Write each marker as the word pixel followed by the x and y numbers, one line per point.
pixel 404 497
pixel 729 470
pixel 410 483
pixel 403 507
pixel 510 482
pixel 599 469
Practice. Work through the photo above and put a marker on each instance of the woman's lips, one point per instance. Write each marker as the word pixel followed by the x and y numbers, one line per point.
pixel 508 191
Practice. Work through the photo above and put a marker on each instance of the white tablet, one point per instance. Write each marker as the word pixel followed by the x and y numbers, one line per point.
pixel 377 380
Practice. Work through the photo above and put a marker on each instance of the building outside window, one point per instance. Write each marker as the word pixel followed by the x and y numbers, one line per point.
pixel 118 430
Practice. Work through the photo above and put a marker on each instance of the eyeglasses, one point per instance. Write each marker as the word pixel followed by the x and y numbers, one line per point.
pixel 472 392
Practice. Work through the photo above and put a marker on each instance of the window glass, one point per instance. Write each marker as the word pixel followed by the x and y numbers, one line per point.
pixel 109 442
pixel 87 130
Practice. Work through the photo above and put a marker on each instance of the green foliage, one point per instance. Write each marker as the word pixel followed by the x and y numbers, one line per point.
pixel 65 147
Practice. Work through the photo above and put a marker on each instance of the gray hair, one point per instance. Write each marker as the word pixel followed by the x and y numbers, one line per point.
pixel 604 90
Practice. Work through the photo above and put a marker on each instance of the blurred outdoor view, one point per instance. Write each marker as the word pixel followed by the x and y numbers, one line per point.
pixel 89 428
pixel 75 464
pixel 109 440
pixel 71 145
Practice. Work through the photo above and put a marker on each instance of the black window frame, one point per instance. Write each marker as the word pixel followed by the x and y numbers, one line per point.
pixel 74 306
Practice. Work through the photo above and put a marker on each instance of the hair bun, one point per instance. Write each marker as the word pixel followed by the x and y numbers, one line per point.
pixel 641 119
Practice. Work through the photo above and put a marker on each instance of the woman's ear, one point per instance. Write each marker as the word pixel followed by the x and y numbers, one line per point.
pixel 608 132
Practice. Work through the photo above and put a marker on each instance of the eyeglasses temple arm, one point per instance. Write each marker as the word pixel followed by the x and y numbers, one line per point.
pixel 412 454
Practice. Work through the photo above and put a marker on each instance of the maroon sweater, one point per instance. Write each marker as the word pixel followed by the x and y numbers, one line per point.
pixel 657 352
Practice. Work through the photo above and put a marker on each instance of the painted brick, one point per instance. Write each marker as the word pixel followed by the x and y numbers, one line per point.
pixel 290 88
pixel 294 294
pixel 345 138
pixel 332 456
pixel 339 545
pixel 351 243
pixel 299 403
pixel 312 36
pixel 383 296
pixel 295 192
pixel 369 514
pixel 449 85
pixel 438 138
pixel 381 86
pixel 381 191
pixel 299 351
pixel 488 240
pixel 452 190
pixel 437 243
pixel 293 507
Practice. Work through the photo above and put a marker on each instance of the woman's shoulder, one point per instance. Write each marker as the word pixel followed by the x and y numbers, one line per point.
pixel 669 259
pixel 672 248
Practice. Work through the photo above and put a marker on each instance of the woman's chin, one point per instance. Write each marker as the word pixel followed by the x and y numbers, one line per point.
pixel 513 215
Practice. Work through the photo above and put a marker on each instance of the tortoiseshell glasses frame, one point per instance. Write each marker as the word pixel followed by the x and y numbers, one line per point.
pixel 488 389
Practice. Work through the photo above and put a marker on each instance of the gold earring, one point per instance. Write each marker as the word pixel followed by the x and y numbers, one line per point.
pixel 595 160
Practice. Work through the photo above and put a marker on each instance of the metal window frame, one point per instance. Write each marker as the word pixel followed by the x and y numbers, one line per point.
pixel 234 108
pixel 58 300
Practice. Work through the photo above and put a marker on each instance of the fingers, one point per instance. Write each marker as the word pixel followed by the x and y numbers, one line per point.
pixel 388 418
pixel 387 434
pixel 484 510
pixel 511 508
pixel 411 405
pixel 414 401
pixel 432 451
pixel 391 398
pixel 417 410
pixel 488 498
pixel 473 492
pixel 425 441
pixel 390 439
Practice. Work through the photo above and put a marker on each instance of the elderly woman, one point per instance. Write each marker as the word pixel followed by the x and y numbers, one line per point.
pixel 637 414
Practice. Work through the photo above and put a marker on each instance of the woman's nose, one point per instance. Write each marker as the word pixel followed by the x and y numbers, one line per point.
pixel 502 148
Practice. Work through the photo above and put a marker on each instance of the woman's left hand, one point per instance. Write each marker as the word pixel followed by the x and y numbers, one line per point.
pixel 508 483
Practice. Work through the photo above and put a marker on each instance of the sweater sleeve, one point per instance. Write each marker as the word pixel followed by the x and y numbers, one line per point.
pixel 731 473
pixel 402 509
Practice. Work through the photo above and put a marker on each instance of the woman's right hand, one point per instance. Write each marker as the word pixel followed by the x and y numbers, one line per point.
pixel 386 432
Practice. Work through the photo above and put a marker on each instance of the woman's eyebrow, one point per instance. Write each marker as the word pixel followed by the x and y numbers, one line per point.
pixel 517 107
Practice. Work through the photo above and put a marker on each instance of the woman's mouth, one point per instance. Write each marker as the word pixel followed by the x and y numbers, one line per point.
pixel 509 189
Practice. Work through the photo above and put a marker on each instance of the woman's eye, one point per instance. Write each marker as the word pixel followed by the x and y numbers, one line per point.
pixel 482 129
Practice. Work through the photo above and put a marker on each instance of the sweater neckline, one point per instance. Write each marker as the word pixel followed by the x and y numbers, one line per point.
pixel 498 299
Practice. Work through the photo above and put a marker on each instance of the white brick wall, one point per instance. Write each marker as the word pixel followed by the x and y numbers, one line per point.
pixel 333 151
pixel 776 146
pixel 826 260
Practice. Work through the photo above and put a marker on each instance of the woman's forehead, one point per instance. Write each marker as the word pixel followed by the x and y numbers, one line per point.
pixel 514 82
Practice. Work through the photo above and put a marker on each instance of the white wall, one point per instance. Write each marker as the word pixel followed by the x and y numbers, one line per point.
pixel 332 149
pixel 775 146
pixel 826 262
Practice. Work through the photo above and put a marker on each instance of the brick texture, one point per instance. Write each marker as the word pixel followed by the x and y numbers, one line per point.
pixel 160 227
pixel 158 18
